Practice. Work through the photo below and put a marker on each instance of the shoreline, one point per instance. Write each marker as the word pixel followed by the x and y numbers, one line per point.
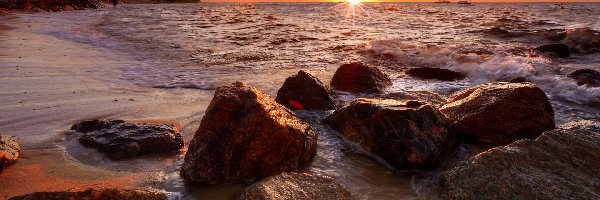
pixel 48 84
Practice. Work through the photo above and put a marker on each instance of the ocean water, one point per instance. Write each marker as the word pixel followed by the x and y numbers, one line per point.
pixel 202 46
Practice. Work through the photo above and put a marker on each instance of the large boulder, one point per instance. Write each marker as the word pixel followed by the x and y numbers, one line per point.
pixel 9 152
pixel 406 134
pixel 97 194
pixel 119 139
pixel 587 77
pixel 559 164
pixel 434 73
pixel 303 91
pixel 360 78
pixel 244 136
pixel 296 186
pixel 500 112
pixel 554 50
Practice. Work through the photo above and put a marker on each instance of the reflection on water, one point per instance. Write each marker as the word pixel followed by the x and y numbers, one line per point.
pixel 203 46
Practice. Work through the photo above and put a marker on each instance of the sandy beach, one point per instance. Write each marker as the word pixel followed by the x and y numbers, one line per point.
pixel 48 84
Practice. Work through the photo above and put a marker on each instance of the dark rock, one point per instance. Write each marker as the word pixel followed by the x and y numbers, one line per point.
pixel 297 186
pixel 96 194
pixel 406 134
pixel 358 77
pixel 119 139
pixel 555 50
pixel 305 92
pixel 519 80
pixel 244 136
pixel 587 77
pixel 559 164
pixel 435 73
pixel 500 112
pixel 9 152
pixel 423 96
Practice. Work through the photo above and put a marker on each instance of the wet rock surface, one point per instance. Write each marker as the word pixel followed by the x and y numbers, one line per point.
pixel 96 194
pixel 297 186
pixel 9 152
pixel 587 77
pixel 304 91
pixel 406 134
pixel 434 73
pixel 244 136
pixel 360 78
pixel 554 50
pixel 119 139
pixel 428 97
pixel 559 164
pixel 500 112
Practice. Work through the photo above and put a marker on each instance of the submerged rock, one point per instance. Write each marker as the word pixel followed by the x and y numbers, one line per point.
pixel 406 134
pixel 500 112
pixel 358 77
pixel 119 139
pixel 587 77
pixel 244 136
pixel 555 50
pixel 9 152
pixel 428 97
pixel 297 186
pixel 96 194
pixel 559 164
pixel 435 73
pixel 303 91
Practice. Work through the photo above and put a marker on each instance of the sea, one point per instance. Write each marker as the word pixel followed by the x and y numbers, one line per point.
pixel 205 45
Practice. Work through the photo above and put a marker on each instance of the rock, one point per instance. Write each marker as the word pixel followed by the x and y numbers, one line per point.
pixel 244 136
pixel 96 194
pixel 406 134
pixel 305 92
pixel 555 50
pixel 360 78
pixel 297 186
pixel 428 97
pixel 587 77
pixel 119 139
pixel 518 80
pixel 500 112
pixel 435 73
pixel 68 8
pixel 9 152
pixel 559 164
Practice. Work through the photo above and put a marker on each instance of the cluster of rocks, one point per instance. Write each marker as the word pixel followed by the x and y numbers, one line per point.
pixel 246 136
pixel 97 194
pixel 50 5
pixel 9 152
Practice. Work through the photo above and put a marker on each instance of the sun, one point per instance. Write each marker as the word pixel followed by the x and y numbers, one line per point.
pixel 354 2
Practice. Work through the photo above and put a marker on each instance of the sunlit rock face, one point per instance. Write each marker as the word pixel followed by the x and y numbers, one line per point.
pixel 96 194
pixel 360 78
pixel 119 139
pixel 500 112
pixel 559 164
pixel 406 134
pixel 303 91
pixel 9 152
pixel 292 185
pixel 244 136
pixel 434 73
pixel 588 77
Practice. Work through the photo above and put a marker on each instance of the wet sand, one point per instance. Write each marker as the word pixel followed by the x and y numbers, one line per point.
pixel 48 84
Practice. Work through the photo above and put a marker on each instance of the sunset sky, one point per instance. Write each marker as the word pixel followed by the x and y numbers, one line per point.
pixel 475 1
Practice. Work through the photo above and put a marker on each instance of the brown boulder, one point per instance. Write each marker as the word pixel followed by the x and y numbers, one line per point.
pixel 587 77
pixel 360 78
pixel 559 164
pixel 500 112
pixel 244 136
pixel 406 134
pixel 9 152
pixel 554 50
pixel 303 91
pixel 119 139
pixel 434 73
pixel 96 194
pixel 296 186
